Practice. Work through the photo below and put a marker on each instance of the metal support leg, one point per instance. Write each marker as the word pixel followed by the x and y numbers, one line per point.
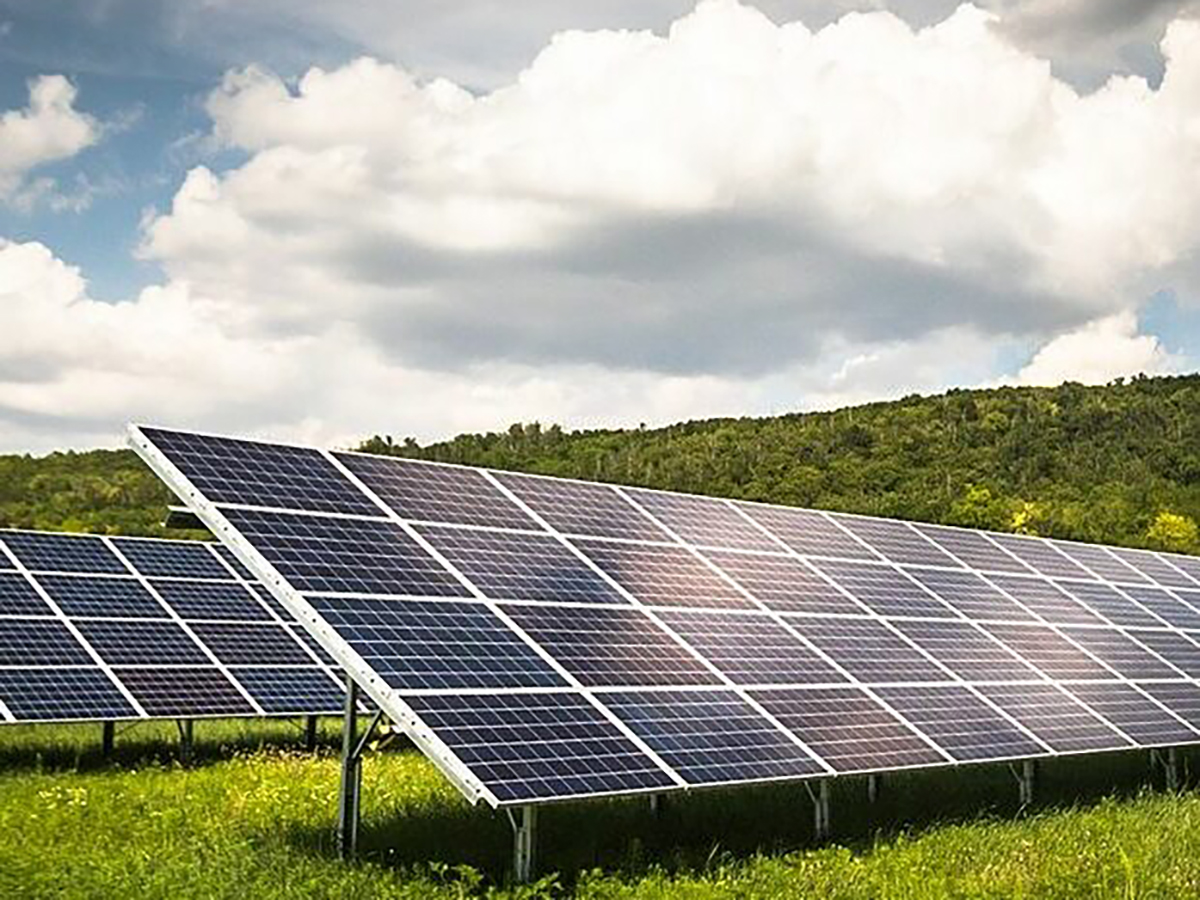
pixel 108 737
pixel 1169 760
pixel 657 804
pixel 310 733
pixel 186 736
pixel 1026 778
pixel 351 785
pixel 524 823
pixel 821 816
pixel 873 788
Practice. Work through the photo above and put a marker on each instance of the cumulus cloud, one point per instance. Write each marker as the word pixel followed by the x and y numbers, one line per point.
pixel 1097 353
pixel 734 216
pixel 48 130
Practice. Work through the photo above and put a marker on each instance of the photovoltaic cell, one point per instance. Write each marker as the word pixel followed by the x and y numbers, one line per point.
pixel 33 695
pixel 962 724
pixel 539 746
pixel 295 691
pixel 1135 714
pixel 1108 603
pixel 967 652
pixel 973 549
pixel 1049 652
pixel 784 584
pixel 1180 697
pixel 885 589
pixel 436 493
pixel 416 644
pixel 1043 599
pixel 971 595
pixel 1189 565
pixel 663 576
pixel 868 650
pixel 18 598
pixel 896 541
pixel 807 532
pixel 212 600
pixel 1153 567
pixel 1040 556
pixel 711 737
pixel 226 470
pixel 1099 561
pixel 574 507
pixel 610 646
pixel 507 566
pixel 233 562
pixel 320 553
pixel 39 642
pixel 848 729
pixel 702 520
pixel 1164 605
pixel 751 649
pixel 1172 646
pixel 1055 717
pixel 251 644
pixel 171 559
pixel 79 595
pixel 166 692
pixel 141 643
pixel 42 552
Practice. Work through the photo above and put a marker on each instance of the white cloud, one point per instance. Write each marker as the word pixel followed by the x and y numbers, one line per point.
pixel 733 217
pixel 1097 353
pixel 48 130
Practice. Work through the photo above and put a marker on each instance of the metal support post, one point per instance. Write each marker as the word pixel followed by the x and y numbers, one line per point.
pixel 186 736
pixel 310 733
pixel 1169 760
pixel 351 784
pixel 1026 777
pixel 657 804
pixel 108 737
pixel 873 788
pixel 821 816
pixel 524 824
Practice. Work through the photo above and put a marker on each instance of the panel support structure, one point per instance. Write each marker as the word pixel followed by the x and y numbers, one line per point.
pixel 524 824
pixel 1026 775
pixel 821 809
pixel 310 733
pixel 108 737
pixel 873 788
pixel 187 735
pixel 1169 760
pixel 350 790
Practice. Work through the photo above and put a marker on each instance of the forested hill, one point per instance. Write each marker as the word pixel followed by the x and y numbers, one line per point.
pixel 1118 463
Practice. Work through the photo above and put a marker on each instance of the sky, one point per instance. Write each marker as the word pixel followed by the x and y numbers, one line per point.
pixel 317 222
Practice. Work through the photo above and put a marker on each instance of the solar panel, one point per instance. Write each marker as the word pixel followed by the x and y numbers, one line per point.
pixel 897 541
pixel 546 639
pixel 436 493
pixel 884 589
pixel 663 576
pixel 66 632
pixel 711 737
pixel 1180 697
pixel 849 729
pixel 961 723
pixel 784 584
pixel 610 646
pixel 540 746
pixel 578 508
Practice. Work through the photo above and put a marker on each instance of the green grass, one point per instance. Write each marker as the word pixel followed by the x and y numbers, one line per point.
pixel 253 817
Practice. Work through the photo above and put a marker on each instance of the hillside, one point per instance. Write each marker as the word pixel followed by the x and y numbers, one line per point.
pixel 1117 463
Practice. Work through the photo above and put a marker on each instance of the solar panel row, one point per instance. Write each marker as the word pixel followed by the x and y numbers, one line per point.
pixel 96 628
pixel 546 638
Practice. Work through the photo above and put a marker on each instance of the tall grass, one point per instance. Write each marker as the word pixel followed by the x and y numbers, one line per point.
pixel 253 815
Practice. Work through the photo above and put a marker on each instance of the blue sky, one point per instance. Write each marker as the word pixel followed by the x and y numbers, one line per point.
pixel 319 221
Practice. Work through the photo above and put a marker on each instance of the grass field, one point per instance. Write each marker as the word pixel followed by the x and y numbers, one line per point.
pixel 253 816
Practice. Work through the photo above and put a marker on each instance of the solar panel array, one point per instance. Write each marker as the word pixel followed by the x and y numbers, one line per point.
pixel 99 628
pixel 544 639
